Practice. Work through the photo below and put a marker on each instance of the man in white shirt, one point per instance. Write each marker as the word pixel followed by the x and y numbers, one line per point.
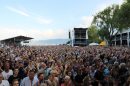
pixel 7 72
pixel 92 72
pixel 29 81
pixel 3 82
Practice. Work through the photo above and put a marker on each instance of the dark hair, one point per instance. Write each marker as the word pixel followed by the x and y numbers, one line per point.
pixel 40 74
pixel 15 69
pixel 113 74
pixel 71 75
pixel 14 81
pixel 31 71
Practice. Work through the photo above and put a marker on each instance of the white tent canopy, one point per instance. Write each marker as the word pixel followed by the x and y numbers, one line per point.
pixel 93 44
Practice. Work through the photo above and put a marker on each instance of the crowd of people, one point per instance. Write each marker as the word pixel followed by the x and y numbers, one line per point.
pixel 64 65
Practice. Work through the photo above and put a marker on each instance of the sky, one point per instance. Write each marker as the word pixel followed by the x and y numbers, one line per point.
pixel 47 19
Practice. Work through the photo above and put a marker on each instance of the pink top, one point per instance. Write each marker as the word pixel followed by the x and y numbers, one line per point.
pixel 64 85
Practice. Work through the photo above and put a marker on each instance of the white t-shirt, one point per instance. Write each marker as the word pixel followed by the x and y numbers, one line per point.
pixel 4 83
pixel 7 75
pixel 17 58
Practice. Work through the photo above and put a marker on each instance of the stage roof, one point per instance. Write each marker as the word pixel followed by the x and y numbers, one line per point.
pixel 18 38
pixel 80 28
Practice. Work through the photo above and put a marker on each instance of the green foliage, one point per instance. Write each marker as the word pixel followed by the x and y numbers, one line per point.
pixel 68 42
pixel 124 14
pixel 110 22
pixel 93 34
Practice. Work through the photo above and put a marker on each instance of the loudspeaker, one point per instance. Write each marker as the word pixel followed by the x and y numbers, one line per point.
pixel 69 34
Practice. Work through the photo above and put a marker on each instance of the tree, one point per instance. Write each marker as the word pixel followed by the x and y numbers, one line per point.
pixel 125 14
pixel 109 22
pixel 68 42
pixel 93 34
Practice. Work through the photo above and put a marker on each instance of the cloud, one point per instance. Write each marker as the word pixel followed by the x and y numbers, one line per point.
pixel 100 7
pixel 36 34
pixel 37 17
pixel 17 11
pixel 44 21
pixel 120 2
pixel 87 21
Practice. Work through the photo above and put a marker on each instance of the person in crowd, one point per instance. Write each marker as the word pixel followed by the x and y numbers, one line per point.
pixel 43 69
pixel 66 81
pixel 15 82
pixel 7 72
pixel 92 73
pixel 15 76
pixel 70 74
pixel 29 81
pixel 62 60
pixel 54 80
pixel 1 65
pixel 12 66
pixel 122 71
pixel 115 77
pixel 107 70
pixel 74 71
pixel 42 81
pixel 3 82
pixel 87 81
pixel 79 78
pixel 99 75
pixel 22 70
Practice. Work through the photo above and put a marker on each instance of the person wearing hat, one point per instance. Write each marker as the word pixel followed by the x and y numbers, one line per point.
pixel 21 68
pixel 75 71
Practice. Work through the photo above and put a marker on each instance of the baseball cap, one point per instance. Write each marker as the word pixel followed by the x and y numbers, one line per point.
pixel 75 67
pixel 20 61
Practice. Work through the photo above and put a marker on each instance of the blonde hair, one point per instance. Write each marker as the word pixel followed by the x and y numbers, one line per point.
pixel 52 71
pixel 85 79
pixel 121 65
pixel 67 77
